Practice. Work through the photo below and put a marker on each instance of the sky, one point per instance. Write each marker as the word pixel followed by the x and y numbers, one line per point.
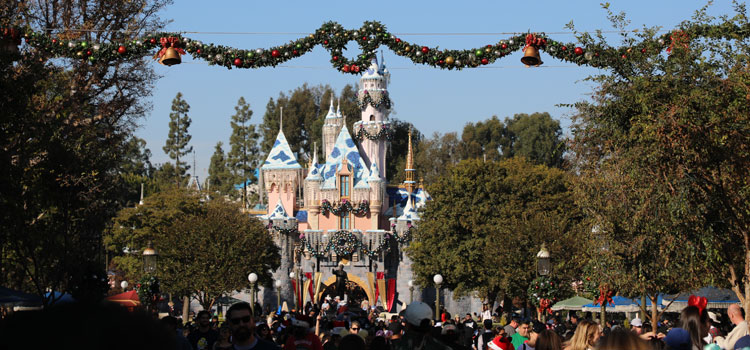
pixel 432 99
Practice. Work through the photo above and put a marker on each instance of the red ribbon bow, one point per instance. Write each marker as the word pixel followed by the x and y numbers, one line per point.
pixel 605 296
pixel 167 42
pixel 698 302
pixel 533 40
pixel 544 305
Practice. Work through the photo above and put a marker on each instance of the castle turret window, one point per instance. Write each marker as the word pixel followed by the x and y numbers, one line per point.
pixel 344 186
pixel 345 222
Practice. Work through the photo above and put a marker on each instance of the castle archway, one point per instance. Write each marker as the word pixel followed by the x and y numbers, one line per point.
pixel 352 279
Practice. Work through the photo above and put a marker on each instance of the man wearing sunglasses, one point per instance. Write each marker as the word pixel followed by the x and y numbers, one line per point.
pixel 242 324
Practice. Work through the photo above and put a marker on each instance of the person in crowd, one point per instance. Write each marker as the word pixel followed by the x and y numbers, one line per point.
pixel 737 317
pixel 536 328
pixel 713 330
pixel 547 339
pixel 679 339
pixel 636 326
pixel 355 328
pixel 301 338
pixel 521 335
pixel 620 339
pixel 171 323
pixel 586 335
pixel 379 343
pixel 510 328
pixel 203 337
pixel 450 336
pixel 351 342
pixel 223 343
pixel 500 343
pixel 573 322
pixel 484 338
pixel 242 325
pixel 264 332
pixel 694 322
pixel 418 323
pixel 742 343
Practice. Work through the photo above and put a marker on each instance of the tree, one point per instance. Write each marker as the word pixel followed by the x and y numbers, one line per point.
pixel 219 177
pixel 487 221
pixel 178 138
pixel 64 129
pixel 206 249
pixel 244 155
pixel 484 140
pixel 436 154
pixel 662 150
pixel 399 148
pixel 537 137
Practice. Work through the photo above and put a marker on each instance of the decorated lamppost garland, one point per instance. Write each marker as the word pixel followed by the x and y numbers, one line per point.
pixel 544 291
pixel 385 133
pixel 148 291
pixel 334 38
pixel 345 208
pixel 375 98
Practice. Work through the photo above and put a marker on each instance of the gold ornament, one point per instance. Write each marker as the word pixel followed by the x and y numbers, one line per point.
pixel 449 60
pixel 407 49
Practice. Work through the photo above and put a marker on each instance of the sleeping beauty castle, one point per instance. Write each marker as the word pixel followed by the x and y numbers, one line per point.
pixel 340 210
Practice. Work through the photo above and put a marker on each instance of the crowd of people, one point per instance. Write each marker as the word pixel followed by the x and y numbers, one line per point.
pixel 337 325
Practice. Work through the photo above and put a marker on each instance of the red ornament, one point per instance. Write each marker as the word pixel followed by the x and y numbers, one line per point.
pixel 489 46
pixel 364 38
pixel 335 58
pixel 152 41
pixel 345 68
pixel 578 51
pixel 325 42
pixel 54 41
pixel 88 53
pixel 295 52
pixel 624 56
pixel 122 50
pixel 564 48
pixel 643 50
pixel 425 49
pixel 275 53
pixel 198 51
pixel 398 40
pixel 485 61
pixel 504 46
pixel 441 62
pixel 355 68
pixel 237 62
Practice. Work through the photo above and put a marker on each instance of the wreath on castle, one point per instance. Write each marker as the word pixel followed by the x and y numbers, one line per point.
pixel 384 133
pixel 376 99
pixel 345 243
pixel 345 207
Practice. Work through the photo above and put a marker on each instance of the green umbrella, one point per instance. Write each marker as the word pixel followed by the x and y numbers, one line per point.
pixel 574 303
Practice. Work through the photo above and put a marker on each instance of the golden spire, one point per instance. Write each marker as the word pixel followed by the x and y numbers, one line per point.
pixel 410 183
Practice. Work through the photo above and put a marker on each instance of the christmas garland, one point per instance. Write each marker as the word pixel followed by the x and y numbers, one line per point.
pixel 344 243
pixel 543 292
pixel 384 133
pixel 334 38
pixel 345 207
pixel 285 231
pixel 148 291
pixel 374 98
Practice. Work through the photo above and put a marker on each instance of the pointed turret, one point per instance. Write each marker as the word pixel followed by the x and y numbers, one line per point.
pixel 331 128
pixel 281 173
pixel 409 183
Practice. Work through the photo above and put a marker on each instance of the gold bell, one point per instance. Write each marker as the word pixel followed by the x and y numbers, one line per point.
pixel 171 57
pixel 531 56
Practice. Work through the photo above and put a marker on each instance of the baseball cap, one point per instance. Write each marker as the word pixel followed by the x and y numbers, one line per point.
pixel 636 322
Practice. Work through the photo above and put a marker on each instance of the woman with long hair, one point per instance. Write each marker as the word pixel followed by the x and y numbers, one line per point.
pixel 586 335
pixel 695 322
pixel 620 339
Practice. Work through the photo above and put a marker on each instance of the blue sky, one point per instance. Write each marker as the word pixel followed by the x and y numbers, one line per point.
pixel 433 100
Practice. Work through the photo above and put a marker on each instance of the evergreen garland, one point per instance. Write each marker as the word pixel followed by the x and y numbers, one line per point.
pixel 384 133
pixel 345 242
pixel 376 99
pixel 345 208
pixel 148 291
pixel 334 38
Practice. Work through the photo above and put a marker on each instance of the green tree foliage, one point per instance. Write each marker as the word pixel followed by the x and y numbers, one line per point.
pixel 219 177
pixel 178 138
pixel 435 154
pixel 244 155
pixel 663 155
pixel 487 221
pixel 396 160
pixel 63 135
pixel 206 249
pixel 484 140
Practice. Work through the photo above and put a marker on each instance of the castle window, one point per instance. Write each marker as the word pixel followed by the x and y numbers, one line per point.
pixel 372 118
pixel 345 222
pixel 344 186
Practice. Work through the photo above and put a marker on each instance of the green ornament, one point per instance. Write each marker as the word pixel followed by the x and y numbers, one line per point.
pixel 478 53
pixel 84 44
pixel 299 46
pixel 92 59
pixel 250 54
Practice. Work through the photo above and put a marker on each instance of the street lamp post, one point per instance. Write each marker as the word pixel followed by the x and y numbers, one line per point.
pixel 150 261
pixel 252 277
pixel 438 279
pixel 278 293
pixel 411 291
pixel 124 285
pixel 543 261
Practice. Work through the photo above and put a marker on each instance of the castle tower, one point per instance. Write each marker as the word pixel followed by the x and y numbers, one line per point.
pixel 374 129
pixel 409 183
pixel 331 128
pixel 312 191
pixel 281 174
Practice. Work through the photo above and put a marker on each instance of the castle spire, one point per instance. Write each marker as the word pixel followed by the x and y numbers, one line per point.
pixel 409 182
pixel 281 118
pixel 315 154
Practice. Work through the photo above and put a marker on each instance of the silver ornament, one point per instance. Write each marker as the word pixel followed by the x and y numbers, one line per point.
pixel 71 44
pixel 138 42
pixel 219 57
pixel 551 49
pixel 457 63
pixel 472 57
pixel 259 51
pixel 356 33
pixel 511 42
pixel 661 41
pixel 588 55
pixel 286 54
pixel 419 53
pixel 498 53
pixel 96 47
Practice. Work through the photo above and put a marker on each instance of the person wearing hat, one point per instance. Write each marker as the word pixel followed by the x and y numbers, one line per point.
pixel 500 343
pixel 418 316
pixel 636 326
pixel 536 328
pixel 301 337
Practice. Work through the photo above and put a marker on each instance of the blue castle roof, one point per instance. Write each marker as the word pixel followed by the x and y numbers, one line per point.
pixel 344 148
pixel 281 156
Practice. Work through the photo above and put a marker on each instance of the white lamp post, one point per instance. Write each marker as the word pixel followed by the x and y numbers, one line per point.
pixel 411 291
pixel 252 277
pixel 438 279
pixel 278 292
pixel 543 261
pixel 124 285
